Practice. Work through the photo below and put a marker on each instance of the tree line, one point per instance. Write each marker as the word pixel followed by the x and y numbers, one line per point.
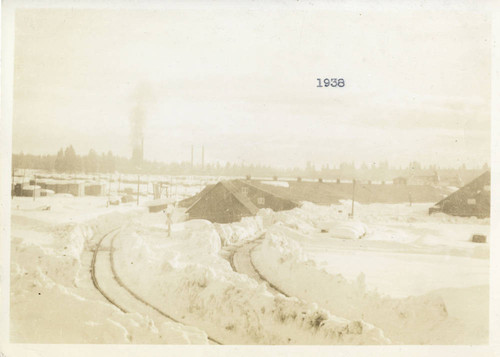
pixel 68 161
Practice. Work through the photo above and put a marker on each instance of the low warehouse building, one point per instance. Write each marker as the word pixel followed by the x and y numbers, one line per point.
pixel 51 185
pixel 76 188
pixel 45 192
pixel 95 189
pixel 31 190
pixel 229 201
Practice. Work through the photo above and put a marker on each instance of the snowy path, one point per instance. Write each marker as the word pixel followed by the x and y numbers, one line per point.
pixel 241 262
pixel 110 285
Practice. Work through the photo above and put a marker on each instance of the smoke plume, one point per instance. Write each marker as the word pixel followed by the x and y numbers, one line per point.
pixel 142 99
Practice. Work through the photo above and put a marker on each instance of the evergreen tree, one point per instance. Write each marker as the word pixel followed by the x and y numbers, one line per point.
pixel 92 162
pixel 59 163
pixel 70 160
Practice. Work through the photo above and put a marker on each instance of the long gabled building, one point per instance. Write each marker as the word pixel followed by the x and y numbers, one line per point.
pixel 472 199
pixel 229 201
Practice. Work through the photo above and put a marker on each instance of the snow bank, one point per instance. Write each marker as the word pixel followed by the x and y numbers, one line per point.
pixel 63 268
pixel 200 234
pixel 413 320
pixel 50 297
pixel 61 261
pixel 246 229
pixel 309 217
pixel 395 223
pixel 75 319
pixel 198 287
pixel 185 276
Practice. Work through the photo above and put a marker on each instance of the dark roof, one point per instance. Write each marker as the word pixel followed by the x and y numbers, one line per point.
pixel 234 188
pixel 269 189
pixel 486 176
pixel 244 200
pixel 200 195
pixel 229 186
pixel 326 193
pixel 188 202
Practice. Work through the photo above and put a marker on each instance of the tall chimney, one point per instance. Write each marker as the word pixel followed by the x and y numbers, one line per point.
pixel 203 157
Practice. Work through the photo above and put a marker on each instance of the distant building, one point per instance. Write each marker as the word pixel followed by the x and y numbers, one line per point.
pixel 417 180
pixel 423 179
pixel 472 199
pixel 229 201
pixel 398 180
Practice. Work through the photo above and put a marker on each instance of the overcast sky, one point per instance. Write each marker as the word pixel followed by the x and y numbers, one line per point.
pixel 243 84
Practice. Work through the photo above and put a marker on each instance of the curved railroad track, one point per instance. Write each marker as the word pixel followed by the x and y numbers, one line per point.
pixel 112 275
pixel 241 262
pixel 93 270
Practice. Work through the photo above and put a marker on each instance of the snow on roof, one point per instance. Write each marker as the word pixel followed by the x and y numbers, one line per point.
pixel 244 200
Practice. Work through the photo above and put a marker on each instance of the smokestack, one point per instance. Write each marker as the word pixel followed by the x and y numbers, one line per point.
pixel 141 98
pixel 203 157
pixel 192 156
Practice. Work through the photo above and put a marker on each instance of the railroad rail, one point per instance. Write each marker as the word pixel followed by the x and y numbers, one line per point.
pixel 113 234
pixel 246 250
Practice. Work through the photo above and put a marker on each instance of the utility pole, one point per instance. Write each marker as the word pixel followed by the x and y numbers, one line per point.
pixel 138 183
pixel 353 191
pixel 109 188
pixel 192 158
pixel 203 157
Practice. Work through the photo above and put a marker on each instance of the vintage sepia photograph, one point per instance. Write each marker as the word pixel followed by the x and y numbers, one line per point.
pixel 247 174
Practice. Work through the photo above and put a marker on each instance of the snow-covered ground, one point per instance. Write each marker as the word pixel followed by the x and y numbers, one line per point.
pixel 424 265
pixel 403 251
pixel 52 296
pixel 392 274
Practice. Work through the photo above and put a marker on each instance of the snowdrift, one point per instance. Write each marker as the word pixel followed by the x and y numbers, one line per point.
pixel 75 319
pixel 186 276
pixel 196 286
pixel 247 229
pixel 50 300
pixel 311 218
pixel 413 320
